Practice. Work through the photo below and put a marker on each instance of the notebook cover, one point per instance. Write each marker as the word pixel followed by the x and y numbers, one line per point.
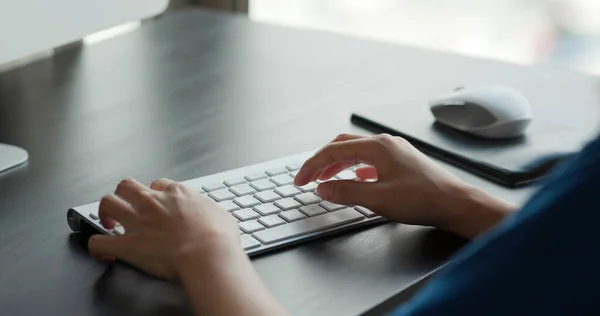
pixel 507 162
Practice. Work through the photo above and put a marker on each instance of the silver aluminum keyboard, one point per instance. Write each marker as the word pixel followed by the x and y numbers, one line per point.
pixel 271 211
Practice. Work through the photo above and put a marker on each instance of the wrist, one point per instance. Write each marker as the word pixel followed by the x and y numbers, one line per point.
pixel 471 211
pixel 224 283
pixel 211 259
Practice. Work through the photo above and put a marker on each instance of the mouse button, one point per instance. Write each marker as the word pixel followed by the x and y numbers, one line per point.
pixel 522 106
pixel 446 100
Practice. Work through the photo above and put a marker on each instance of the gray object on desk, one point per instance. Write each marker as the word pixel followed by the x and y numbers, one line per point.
pixel 11 156
pixel 192 94
pixel 556 134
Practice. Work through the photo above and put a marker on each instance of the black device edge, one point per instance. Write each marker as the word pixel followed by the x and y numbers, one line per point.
pixel 500 176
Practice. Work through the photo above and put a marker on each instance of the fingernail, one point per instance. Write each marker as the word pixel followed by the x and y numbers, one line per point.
pixel 325 190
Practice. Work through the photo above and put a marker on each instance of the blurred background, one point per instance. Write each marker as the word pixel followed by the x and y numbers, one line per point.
pixel 562 33
pixel 565 33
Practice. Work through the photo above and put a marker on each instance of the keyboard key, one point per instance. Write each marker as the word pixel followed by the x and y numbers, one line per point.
pixel 331 206
pixel 221 195
pixel 311 186
pixel 312 210
pixel 271 221
pixel 282 179
pixel 229 206
pixel 248 242
pixel 251 226
pixel 242 189
pixel 346 175
pixel 94 216
pixel 308 225
pixel 267 209
pixel 307 198
pixel 236 181
pixel 292 215
pixel 294 166
pixel 287 204
pixel 276 171
pixel 256 176
pixel 245 214
pixel 263 184
pixel 293 174
pixel 213 187
pixel 287 191
pixel 246 201
pixel 365 211
pixel 267 196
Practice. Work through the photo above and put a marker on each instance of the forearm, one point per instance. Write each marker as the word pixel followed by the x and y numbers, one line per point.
pixel 475 211
pixel 227 284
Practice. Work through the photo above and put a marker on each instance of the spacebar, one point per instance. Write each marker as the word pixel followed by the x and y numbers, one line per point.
pixel 306 226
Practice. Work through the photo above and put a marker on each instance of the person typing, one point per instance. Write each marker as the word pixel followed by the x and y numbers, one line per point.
pixel 540 259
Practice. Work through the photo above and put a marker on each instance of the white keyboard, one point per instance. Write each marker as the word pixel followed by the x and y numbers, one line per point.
pixel 271 211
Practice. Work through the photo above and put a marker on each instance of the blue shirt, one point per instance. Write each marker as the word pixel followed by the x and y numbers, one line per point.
pixel 543 260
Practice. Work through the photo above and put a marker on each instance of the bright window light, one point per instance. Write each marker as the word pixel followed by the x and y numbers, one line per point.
pixel 112 32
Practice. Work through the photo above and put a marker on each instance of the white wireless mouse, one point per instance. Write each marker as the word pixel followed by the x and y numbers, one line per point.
pixel 487 111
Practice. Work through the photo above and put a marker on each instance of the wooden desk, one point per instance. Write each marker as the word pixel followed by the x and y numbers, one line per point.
pixel 192 94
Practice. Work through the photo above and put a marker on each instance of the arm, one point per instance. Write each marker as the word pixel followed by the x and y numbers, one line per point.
pixel 179 235
pixel 473 211
pixel 176 234
pixel 542 261
pixel 409 188
pixel 226 284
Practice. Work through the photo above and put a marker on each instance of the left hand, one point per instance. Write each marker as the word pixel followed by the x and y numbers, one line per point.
pixel 167 226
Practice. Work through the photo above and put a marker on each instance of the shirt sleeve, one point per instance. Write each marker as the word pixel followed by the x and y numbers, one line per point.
pixel 543 260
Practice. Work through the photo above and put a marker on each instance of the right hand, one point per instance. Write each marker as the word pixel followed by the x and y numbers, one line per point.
pixel 409 188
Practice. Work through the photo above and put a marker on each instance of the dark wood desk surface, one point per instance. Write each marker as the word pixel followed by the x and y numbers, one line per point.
pixel 195 93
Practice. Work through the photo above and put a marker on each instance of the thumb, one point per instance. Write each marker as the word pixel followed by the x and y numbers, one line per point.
pixel 349 192
pixel 106 247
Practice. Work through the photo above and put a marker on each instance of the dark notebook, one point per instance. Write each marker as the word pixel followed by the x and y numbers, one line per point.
pixel 512 163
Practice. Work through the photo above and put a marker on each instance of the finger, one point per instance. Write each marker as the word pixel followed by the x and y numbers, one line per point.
pixel 107 247
pixel 350 192
pixel 113 209
pixel 345 137
pixel 336 168
pixel 161 184
pixel 333 170
pixel 368 172
pixel 131 190
pixel 364 150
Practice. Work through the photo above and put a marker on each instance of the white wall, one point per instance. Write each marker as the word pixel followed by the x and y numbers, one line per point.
pixel 32 26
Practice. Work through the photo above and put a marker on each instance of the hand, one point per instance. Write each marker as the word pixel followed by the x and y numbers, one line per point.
pixel 406 186
pixel 165 225
pixel 176 234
